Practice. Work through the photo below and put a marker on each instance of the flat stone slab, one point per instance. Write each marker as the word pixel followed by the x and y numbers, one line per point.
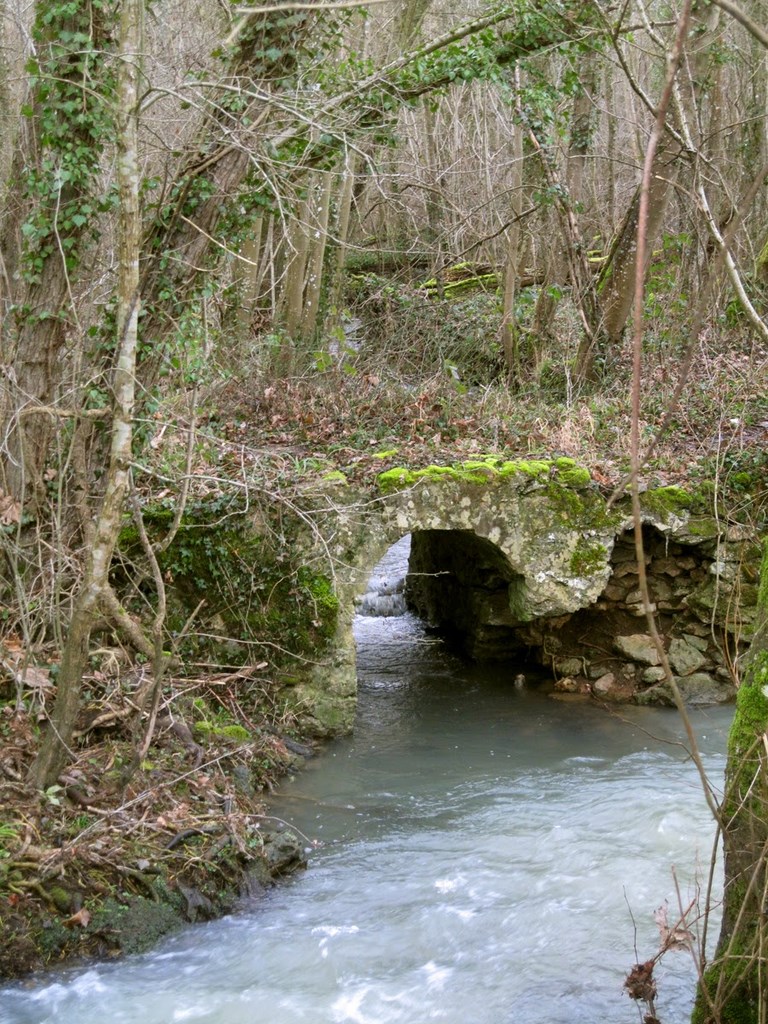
pixel 684 658
pixel 637 647
pixel 699 688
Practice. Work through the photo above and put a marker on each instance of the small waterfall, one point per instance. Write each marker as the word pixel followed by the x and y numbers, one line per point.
pixel 385 597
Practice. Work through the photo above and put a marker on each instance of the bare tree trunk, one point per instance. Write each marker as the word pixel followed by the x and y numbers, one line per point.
pixel 580 143
pixel 55 748
pixel 582 130
pixel 316 259
pixel 7 119
pixel 756 129
pixel 293 296
pixel 343 219
pixel 248 285
pixel 617 280
pixel 574 253
pixel 509 328
pixel 410 19
pixel 609 215
pixel 434 205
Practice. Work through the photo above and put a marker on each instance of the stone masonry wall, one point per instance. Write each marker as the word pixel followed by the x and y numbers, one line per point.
pixel 606 649
pixel 702 596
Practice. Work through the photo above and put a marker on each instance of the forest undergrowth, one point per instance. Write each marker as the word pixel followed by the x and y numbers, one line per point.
pixel 432 396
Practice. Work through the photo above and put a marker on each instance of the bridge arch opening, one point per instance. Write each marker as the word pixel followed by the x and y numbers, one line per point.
pixel 459 584
pixel 463 585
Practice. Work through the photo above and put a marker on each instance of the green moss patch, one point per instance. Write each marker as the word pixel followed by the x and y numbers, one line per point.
pixel 139 924
pixel 236 733
pixel 588 559
pixel 487 470
pixel 395 479
pixel 741 1002
pixel 535 468
pixel 257 595
pixel 665 501
pixel 576 477
pixel 749 723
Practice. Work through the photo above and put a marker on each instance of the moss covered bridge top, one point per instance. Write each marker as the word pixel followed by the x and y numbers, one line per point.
pixel 547 516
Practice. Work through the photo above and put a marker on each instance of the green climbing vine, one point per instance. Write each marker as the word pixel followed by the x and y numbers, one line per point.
pixel 72 80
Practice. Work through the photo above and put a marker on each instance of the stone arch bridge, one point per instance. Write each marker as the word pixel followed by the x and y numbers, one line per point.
pixel 526 561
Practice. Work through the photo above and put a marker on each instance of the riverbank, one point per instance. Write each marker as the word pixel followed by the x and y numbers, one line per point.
pixel 117 855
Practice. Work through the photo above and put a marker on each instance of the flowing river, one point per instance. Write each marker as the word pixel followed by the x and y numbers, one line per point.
pixel 481 854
